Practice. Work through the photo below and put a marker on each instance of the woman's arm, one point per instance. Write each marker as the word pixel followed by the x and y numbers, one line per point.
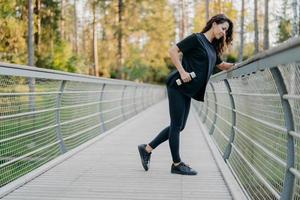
pixel 175 57
pixel 226 66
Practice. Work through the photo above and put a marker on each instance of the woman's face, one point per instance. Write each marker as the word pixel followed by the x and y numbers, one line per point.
pixel 219 30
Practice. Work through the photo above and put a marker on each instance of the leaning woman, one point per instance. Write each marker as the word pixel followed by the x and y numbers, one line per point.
pixel 201 52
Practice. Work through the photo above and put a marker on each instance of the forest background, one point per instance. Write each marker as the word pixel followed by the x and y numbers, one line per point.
pixel 129 39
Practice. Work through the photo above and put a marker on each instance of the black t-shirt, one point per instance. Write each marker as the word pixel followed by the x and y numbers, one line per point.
pixel 199 56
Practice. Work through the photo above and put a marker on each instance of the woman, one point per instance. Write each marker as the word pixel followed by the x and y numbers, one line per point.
pixel 201 52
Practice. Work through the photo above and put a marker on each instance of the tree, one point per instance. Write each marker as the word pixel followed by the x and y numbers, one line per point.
pixel 30 34
pixel 242 32
pixel 62 19
pixel 95 39
pixel 37 34
pixel 75 28
pixel 256 37
pixel 207 10
pixel 295 18
pixel 147 32
pixel 13 31
pixel 31 80
pixel 266 25
pixel 182 21
pixel 284 26
pixel 120 36
pixel 299 18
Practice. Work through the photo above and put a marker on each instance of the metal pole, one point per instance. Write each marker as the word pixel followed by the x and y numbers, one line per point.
pixel 206 109
pixel 58 120
pixel 289 180
pixel 134 101
pixel 200 106
pixel 228 148
pixel 212 128
pixel 103 129
pixel 122 102
pixel 143 97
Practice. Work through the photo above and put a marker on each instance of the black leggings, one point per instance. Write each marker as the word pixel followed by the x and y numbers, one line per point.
pixel 179 107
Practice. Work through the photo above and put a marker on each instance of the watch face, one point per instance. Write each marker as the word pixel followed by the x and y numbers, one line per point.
pixel 178 81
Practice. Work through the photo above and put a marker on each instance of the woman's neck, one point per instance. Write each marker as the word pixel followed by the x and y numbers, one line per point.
pixel 209 35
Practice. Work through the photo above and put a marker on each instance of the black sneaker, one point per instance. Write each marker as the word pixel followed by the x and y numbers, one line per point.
pixel 183 169
pixel 145 156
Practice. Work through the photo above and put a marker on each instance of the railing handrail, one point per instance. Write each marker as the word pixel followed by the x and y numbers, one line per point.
pixel 36 72
pixel 259 61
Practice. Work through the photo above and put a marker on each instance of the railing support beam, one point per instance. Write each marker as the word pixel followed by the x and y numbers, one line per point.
pixel 227 151
pixel 289 180
pixel 62 146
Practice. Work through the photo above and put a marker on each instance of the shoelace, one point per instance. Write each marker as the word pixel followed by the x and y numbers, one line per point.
pixel 186 165
pixel 147 156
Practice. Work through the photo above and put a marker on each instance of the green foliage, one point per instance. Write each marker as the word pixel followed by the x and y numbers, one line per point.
pixel 227 7
pixel 62 59
pixel 13 43
pixel 231 58
pixel 147 27
pixel 135 68
pixel 285 29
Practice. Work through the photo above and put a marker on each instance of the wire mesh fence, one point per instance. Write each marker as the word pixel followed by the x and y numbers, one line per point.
pixel 253 115
pixel 45 113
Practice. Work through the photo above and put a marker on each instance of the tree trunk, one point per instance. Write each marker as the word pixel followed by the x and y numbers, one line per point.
pixel 31 81
pixel 266 25
pixel 38 19
pixel 75 28
pixel 62 19
pixel 299 19
pixel 120 35
pixel 295 18
pixel 207 10
pixel 95 44
pixel 256 37
pixel 30 34
pixel 182 29
pixel 242 32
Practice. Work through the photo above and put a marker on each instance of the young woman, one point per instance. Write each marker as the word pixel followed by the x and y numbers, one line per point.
pixel 201 53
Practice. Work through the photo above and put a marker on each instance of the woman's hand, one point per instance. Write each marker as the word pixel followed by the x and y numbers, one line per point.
pixel 185 77
pixel 227 66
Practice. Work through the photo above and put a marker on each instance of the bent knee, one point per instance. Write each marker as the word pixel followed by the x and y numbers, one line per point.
pixel 181 128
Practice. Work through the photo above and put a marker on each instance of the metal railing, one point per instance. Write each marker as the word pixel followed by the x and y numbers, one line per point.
pixel 45 113
pixel 253 115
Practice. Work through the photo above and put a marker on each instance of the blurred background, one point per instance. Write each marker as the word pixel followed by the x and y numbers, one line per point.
pixel 129 39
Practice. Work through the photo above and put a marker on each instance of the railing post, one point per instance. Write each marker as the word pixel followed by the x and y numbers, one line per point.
pixel 122 102
pixel 143 97
pixel 228 148
pixel 149 102
pixel 62 146
pixel 201 105
pixel 134 100
pixel 102 127
pixel 212 128
pixel 206 109
pixel 149 96
pixel 289 180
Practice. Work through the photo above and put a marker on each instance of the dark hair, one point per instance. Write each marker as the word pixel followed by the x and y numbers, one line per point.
pixel 219 44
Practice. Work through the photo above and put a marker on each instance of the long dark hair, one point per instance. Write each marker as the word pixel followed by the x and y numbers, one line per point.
pixel 221 43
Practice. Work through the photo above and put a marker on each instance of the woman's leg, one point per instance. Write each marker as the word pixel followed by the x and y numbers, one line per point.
pixel 186 113
pixel 164 134
pixel 179 109
pixel 160 138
